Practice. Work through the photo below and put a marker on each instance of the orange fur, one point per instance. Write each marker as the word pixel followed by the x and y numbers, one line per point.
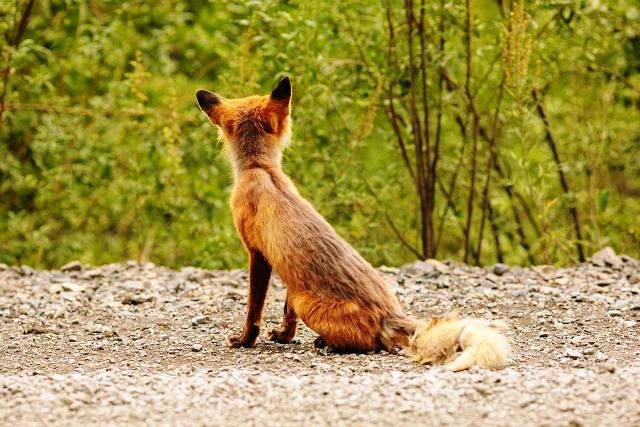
pixel 330 286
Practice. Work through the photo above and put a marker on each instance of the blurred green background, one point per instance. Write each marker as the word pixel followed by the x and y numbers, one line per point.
pixel 104 155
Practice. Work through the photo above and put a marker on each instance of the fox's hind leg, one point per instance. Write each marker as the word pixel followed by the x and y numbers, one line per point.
pixel 287 331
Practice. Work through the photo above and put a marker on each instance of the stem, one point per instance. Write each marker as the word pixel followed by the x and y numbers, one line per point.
pixel 474 149
pixel 416 129
pixel 490 161
pixel 563 179
pixel 426 149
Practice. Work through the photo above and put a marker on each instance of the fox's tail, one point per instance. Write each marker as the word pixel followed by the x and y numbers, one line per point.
pixel 459 343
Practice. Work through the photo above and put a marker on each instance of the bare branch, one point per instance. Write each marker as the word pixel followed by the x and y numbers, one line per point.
pixel 490 161
pixel 549 138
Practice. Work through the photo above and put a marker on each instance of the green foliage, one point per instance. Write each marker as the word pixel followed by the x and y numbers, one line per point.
pixel 105 156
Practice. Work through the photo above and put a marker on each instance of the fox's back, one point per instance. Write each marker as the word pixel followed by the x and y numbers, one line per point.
pixel 302 247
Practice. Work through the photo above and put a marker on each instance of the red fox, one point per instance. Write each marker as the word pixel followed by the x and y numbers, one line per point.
pixel 329 285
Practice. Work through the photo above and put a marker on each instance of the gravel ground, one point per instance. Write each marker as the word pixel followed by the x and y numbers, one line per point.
pixel 129 344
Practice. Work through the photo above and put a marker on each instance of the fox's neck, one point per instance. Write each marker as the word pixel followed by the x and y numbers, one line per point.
pixel 246 155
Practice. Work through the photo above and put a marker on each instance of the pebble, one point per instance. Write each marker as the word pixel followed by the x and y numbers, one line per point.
pixel 136 299
pixel 606 258
pixel 572 353
pixel 198 320
pixel 196 347
pixel 72 266
pixel 499 269
pixel 72 287
pixel 601 357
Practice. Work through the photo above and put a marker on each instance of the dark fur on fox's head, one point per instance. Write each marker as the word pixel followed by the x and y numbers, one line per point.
pixel 255 128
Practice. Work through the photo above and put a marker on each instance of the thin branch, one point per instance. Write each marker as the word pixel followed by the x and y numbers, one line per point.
pixel 456 213
pixel 426 148
pixel 452 186
pixel 20 28
pixel 390 220
pixel 490 161
pixel 416 126
pixel 549 138
pixel 495 231
pixel 393 116
pixel 474 149
pixel 438 135
pixel 451 86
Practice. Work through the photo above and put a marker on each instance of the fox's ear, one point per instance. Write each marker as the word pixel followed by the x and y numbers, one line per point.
pixel 209 104
pixel 281 95
pixel 282 91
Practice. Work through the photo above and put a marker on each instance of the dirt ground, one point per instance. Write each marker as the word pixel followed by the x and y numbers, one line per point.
pixel 129 344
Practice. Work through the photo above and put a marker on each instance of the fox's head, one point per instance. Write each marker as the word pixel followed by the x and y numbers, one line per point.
pixel 255 129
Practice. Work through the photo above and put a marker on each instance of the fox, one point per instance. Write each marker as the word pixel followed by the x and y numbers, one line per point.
pixel 329 285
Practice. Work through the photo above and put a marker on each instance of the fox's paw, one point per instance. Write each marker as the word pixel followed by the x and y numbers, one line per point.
pixel 239 340
pixel 319 343
pixel 279 335
pixel 321 347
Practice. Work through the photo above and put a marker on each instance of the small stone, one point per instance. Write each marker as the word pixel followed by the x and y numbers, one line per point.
pixel 606 258
pixel 72 266
pixel 199 320
pixel 196 347
pixel 543 334
pixel 601 357
pixel 577 340
pixel 499 269
pixel 588 351
pixel 25 270
pixel 607 368
pixel 73 338
pixel 72 287
pixel 132 285
pixel 604 283
pixel 614 313
pixel 572 353
pixel 136 299
pixel 55 288
pixel 439 266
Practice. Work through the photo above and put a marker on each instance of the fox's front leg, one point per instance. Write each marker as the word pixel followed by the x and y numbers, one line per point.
pixel 287 331
pixel 259 275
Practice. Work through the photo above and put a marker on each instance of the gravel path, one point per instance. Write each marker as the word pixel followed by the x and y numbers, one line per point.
pixel 129 344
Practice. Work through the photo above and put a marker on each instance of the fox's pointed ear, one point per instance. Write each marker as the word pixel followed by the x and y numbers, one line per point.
pixel 209 103
pixel 282 91
pixel 280 97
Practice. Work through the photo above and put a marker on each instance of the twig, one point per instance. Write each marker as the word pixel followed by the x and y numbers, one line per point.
pixel 549 138
pixel 496 236
pixel 416 127
pixel 390 221
pixel 474 149
pixel 393 116
pixel 490 161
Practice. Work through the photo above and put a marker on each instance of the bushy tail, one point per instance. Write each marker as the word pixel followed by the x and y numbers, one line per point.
pixel 460 344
